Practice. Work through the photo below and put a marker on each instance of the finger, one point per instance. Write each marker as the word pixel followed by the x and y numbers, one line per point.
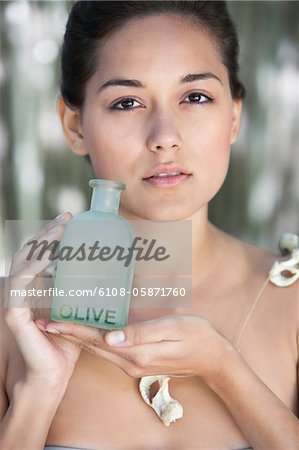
pixel 26 273
pixel 17 284
pixel 24 268
pixel 61 219
pixel 51 232
pixel 150 331
pixel 25 332
pixel 89 335
pixel 92 340
pixel 138 361
pixel 134 360
pixel 121 362
pixel 41 324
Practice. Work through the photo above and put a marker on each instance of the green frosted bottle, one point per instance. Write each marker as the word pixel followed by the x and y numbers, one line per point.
pixel 93 284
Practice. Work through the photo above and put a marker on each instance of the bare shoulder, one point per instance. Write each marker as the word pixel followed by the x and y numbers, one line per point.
pixel 261 264
pixel 243 263
pixel 250 267
pixel 276 314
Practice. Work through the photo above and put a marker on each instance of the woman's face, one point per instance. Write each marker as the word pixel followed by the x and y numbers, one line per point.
pixel 160 103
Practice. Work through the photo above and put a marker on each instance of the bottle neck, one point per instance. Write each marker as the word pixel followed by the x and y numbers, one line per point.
pixel 105 200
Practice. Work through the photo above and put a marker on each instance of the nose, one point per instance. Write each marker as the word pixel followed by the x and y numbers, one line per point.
pixel 163 134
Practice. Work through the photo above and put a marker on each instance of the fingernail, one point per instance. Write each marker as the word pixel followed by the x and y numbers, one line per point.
pixel 115 337
pixel 40 327
pixel 52 330
pixel 60 217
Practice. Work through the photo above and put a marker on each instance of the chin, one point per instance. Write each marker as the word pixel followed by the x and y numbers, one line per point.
pixel 162 214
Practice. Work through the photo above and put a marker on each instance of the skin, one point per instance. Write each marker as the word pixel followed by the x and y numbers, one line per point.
pixel 164 127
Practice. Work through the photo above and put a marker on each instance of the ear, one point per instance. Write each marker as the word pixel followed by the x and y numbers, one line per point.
pixel 236 120
pixel 71 124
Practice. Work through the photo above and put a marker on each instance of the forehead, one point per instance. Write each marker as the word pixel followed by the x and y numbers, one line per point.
pixel 160 41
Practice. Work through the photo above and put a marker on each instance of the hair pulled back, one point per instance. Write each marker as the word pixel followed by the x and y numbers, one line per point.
pixel 90 22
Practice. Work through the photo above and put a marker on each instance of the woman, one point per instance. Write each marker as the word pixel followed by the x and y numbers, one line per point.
pixel 148 87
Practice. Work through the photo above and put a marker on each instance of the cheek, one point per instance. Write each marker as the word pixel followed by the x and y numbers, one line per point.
pixel 219 137
pixel 211 137
pixel 109 150
pixel 213 152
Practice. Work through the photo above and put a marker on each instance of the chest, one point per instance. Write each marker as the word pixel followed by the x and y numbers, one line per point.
pixel 102 407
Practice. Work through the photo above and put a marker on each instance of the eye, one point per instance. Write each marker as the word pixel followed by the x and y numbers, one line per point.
pixel 125 104
pixel 198 98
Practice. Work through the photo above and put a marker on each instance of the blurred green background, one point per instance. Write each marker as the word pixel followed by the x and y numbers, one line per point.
pixel 40 177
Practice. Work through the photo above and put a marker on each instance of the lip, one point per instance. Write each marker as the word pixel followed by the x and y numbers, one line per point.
pixel 166 168
pixel 167 182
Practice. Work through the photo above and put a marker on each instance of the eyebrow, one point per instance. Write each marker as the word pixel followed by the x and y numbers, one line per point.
pixel 137 84
pixel 200 76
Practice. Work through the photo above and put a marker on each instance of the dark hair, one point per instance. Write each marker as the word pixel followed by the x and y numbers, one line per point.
pixel 91 21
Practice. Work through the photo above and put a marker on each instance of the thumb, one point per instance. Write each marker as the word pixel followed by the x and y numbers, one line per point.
pixel 139 333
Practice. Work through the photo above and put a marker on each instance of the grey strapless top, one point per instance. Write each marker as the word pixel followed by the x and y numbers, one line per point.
pixel 58 447
pixel 54 447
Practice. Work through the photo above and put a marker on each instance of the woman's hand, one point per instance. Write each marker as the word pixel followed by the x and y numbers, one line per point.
pixel 172 345
pixel 48 360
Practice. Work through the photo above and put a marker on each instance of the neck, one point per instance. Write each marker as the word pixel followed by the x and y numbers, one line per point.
pixel 207 241
pixel 207 245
